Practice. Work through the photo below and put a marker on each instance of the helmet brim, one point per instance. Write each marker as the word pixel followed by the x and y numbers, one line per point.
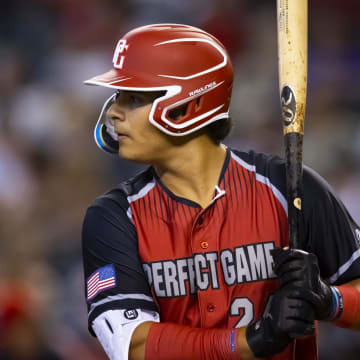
pixel 115 80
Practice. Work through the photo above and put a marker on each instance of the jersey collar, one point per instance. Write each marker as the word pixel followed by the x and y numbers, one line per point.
pixel 218 192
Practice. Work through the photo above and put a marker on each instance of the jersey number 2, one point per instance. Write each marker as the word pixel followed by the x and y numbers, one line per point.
pixel 243 307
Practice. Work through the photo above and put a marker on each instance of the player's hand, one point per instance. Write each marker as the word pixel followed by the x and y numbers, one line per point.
pixel 299 271
pixel 287 319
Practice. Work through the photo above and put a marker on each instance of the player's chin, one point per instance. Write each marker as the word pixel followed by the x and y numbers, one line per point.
pixel 134 153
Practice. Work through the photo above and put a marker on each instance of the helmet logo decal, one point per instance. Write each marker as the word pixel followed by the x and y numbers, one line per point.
pixel 203 88
pixel 119 58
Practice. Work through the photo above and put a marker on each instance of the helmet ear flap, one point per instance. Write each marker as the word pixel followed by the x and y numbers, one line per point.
pixel 104 140
pixel 187 110
pixel 179 112
pixel 195 105
pixel 104 132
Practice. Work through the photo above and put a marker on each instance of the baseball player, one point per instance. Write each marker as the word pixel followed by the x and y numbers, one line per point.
pixel 189 259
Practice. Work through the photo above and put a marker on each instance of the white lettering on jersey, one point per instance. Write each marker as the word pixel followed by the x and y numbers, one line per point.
pixel 257 261
pixel 228 266
pixel 269 260
pixel 202 278
pixel 183 275
pixel 191 269
pixel 171 284
pixel 212 258
pixel 242 267
pixel 180 277
pixel 158 278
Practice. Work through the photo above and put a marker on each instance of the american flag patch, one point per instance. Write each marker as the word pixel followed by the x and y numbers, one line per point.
pixel 102 279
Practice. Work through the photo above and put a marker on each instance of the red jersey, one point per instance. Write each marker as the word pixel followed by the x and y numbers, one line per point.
pixel 212 267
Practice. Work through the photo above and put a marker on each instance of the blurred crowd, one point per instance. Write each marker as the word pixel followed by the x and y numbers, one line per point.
pixel 51 169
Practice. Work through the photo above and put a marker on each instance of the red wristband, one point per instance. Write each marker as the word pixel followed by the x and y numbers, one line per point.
pixel 168 341
pixel 351 306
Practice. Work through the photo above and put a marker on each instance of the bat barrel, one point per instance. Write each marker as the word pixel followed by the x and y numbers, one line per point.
pixel 292 55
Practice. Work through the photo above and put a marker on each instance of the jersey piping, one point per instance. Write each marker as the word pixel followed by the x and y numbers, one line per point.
pixel 117 297
pixel 142 192
pixel 343 268
pixel 264 180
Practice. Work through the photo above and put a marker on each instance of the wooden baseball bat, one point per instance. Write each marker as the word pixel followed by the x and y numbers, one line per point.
pixel 292 27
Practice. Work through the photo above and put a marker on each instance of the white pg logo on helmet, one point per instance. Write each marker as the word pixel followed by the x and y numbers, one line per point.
pixel 119 58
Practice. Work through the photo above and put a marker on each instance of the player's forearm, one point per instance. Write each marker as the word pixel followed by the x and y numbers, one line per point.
pixel 138 341
pixel 243 346
pixel 346 302
pixel 287 318
pixel 356 284
pixel 140 336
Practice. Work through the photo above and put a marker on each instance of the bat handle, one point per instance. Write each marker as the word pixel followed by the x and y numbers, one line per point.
pixel 293 146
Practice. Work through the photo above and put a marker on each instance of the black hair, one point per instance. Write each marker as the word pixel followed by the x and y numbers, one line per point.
pixel 219 130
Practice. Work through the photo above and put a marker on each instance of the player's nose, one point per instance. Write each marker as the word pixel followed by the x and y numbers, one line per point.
pixel 114 112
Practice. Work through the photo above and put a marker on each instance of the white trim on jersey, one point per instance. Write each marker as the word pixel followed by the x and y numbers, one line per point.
pixel 140 194
pixel 129 213
pixel 114 329
pixel 219 193
pixel 119 297
pixel 264 180
pixel 343 268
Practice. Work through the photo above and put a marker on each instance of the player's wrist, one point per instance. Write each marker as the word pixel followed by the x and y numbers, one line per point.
pixel 288 318
pixel 262 339
pixel 243 348
pixel 325 300
pixel 168 341
pixel 349 298
pixel 336 306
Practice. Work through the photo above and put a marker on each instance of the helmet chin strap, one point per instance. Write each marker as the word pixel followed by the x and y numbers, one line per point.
pixel 104 132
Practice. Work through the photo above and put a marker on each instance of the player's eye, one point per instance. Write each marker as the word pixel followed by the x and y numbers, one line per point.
pixel 130 99
pixel 136 100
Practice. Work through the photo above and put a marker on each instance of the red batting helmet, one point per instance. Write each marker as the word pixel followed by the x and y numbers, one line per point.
pixel 192 66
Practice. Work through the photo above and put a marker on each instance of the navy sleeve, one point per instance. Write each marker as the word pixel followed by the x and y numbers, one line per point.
pixel 331 233
pixel 114 276
pixel 327 230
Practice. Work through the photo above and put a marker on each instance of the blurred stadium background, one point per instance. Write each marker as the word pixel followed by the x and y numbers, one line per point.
pixel 51 169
